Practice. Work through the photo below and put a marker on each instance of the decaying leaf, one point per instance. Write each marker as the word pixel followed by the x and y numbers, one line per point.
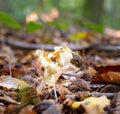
pixel 106 74
pixel 92 105
pixel 56 63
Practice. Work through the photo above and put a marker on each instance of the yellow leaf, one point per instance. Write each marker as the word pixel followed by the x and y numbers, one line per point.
pixel 76 105
pixel 93 105
pixel 79 36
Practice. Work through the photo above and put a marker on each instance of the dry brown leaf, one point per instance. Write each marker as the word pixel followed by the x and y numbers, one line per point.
pixel 62 90
pixel 8 82
pixel 106 74
pixel 108 77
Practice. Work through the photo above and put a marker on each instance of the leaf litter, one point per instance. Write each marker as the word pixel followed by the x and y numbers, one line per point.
pixel 60 81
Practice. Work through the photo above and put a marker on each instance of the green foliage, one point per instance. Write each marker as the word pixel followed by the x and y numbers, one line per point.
pixel 94 27
pixel 33 26
pixel 9 21
pixel 60 26
pixel 71 11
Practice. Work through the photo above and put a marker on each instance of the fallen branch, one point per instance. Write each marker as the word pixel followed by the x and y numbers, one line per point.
pixel 48 47
pixel 107 48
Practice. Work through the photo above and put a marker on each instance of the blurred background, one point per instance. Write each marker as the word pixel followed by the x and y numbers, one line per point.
pixel 70 13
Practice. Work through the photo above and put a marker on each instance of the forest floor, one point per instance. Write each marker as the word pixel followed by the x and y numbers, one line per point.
pixel 78 77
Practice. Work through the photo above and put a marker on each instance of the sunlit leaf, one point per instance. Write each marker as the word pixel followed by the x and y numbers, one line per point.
pixel 92 105
pixel 79 36
pixel 9 21
pixel 33 27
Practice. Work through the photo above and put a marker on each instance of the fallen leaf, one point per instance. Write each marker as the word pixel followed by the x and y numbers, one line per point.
pixel 8 82
pixel 79 36
pixel 106 74
pixel 21 84
pixel 92 105
pixel 62 90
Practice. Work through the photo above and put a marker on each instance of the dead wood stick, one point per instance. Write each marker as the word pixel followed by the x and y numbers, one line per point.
pixel 107 48
pixel 47 47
